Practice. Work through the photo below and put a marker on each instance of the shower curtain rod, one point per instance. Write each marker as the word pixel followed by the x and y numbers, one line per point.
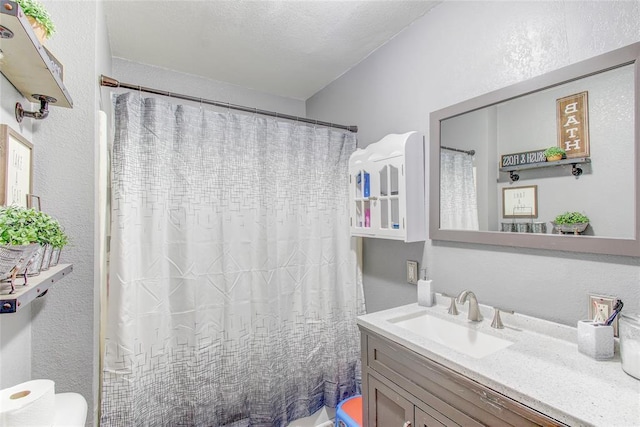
pixel 469 152
pixel 111 82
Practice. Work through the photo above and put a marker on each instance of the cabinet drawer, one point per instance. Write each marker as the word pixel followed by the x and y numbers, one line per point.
pixel 457 397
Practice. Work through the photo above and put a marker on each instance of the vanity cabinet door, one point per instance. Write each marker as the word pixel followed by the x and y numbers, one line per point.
pixel 425 420
pixel 437 392
pixel 387 408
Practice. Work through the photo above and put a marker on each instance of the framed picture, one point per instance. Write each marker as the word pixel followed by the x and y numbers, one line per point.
pixel 520 202
pixel 16 168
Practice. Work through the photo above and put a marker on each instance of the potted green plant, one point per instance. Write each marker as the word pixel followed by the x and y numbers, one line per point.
pixel 21 226
pixel 18 241
pixel 38 17
pixel 59 240
pixel 554 153
pixel 571 222
pixel 49 235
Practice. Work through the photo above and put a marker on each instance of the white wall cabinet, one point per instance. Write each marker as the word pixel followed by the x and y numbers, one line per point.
pixel 386 189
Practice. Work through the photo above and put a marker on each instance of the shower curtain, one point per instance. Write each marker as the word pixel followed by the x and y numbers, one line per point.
pixel 233 280
pixel 458 200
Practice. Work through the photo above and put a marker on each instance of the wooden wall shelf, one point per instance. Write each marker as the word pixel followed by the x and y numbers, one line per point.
pixel 575 170
pixel 30 68
pixel 36 286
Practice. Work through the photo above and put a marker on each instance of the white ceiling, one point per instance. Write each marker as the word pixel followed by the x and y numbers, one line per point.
pixel 287 48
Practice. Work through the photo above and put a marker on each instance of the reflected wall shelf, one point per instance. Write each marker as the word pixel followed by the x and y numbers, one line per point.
pixel 30 68
pixel 575 169
pixel 36 286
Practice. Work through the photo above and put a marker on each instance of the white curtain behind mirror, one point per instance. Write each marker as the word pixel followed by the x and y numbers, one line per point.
pixel 458 199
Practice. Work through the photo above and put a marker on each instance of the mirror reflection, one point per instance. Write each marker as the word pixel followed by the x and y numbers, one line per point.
pixel 478 191
pixel 493 179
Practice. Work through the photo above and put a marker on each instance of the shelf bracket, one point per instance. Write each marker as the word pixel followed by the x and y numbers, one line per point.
pixel 514 176
pixel 38 115
pixel 575 170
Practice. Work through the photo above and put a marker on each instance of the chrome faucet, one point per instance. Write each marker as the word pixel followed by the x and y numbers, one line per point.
pixel 474 310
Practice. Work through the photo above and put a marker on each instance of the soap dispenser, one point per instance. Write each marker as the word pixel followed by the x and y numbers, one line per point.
pixel 425 291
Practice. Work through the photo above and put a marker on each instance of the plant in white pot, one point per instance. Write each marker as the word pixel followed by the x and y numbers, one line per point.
pixel 571 222
pixel 39 18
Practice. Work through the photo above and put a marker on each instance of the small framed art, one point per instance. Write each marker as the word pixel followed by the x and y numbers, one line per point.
pixel 16 168
pixel 520 202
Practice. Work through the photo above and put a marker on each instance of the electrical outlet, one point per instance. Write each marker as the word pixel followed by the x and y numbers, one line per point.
pixel 600 308
pixel 412 272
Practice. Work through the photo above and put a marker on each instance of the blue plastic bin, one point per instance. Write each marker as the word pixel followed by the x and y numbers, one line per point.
pixel 349 412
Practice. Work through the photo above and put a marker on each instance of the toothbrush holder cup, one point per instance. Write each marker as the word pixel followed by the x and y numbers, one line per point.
pixel 595 340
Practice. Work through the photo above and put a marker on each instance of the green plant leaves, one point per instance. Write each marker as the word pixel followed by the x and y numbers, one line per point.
pixel 36 10
pixel 571 218
pixel 20 226
pixel 554 151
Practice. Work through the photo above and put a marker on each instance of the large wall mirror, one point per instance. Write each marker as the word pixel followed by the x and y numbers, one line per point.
pixel 490 182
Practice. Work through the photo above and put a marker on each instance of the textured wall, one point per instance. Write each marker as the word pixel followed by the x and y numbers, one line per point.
pixel 457 51
pixel 189 84
pixel 15 329
pixel 64 324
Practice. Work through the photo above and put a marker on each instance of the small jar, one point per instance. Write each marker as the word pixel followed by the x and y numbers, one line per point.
pixel 508 226
pixel 539 227
pixel 629 331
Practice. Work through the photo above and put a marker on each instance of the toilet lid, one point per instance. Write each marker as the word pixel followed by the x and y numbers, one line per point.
pixel 71 410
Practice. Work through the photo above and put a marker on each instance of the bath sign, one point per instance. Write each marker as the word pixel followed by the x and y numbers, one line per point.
pixel 573 125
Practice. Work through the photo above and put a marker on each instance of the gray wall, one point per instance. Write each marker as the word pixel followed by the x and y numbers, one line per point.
pixel 188 84
pixel 457 51
pixel 65 322
pixel 15 329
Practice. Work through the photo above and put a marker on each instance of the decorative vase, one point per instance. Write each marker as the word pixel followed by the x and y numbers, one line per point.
pixel 575 228
pixel 55 256
pixel 38 29
pixel 32 268
pixel 46 258
pixel 12 259
pixel 554 158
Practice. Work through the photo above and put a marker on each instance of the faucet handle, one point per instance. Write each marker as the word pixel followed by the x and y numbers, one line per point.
pixel 453 310
pixel 497 321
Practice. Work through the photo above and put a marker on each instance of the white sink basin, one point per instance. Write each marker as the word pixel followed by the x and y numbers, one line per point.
pixel 455 336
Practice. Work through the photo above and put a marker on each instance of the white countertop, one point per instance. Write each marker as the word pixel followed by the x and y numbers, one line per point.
pixel 542 369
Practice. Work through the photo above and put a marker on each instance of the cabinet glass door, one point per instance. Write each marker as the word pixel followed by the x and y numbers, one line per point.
pixel 390 215
pixel 361 183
